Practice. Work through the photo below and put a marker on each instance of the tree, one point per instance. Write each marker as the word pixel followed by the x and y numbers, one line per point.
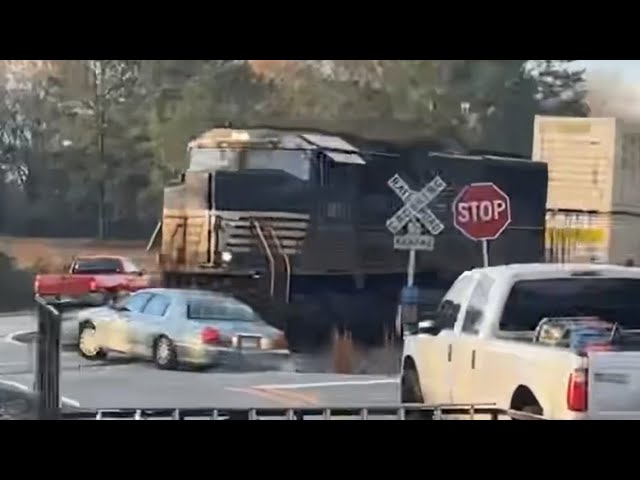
pixel 561 88
pixel 221 92
pixel 88 91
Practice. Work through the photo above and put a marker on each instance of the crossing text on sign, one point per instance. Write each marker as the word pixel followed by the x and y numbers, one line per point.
pixel 414 242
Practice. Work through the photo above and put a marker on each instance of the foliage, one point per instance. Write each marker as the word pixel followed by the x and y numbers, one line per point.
pixel 16 285
pixel 87 145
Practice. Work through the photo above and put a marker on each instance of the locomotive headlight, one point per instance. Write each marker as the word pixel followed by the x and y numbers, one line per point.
pixel 226 257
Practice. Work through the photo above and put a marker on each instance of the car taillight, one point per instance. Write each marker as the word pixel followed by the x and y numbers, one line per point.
pixel 93 285
pixel 209 335
pixel 577 390
pixel 280 342
pixel 36 285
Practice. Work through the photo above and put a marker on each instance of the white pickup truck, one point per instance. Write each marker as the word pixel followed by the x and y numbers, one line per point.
pixel 481 346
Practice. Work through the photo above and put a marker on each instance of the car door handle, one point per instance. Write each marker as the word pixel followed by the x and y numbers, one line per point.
pixel 473 360
pixel 449 352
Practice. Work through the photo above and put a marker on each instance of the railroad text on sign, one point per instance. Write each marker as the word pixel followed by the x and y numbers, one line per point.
pixel 415 205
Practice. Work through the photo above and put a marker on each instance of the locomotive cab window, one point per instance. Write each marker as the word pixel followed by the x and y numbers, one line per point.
pixel 294 162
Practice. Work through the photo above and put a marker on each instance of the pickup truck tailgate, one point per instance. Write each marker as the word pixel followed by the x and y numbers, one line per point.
pixel 614 385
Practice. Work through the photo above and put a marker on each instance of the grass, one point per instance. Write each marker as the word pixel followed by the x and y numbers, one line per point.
pixel 348 358
pixel 343 352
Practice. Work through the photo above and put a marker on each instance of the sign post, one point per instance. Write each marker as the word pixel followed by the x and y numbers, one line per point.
pixel 413 215
pixel 482 211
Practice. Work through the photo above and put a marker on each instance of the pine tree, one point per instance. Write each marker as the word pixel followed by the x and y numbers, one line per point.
pixel 561 88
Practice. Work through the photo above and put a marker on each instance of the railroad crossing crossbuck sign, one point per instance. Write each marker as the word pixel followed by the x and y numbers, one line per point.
pixel 482 211
pixel 414 213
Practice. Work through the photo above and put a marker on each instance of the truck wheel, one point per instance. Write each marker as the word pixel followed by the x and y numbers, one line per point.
pixel 165 355
pixel 87 344
pixel 410 392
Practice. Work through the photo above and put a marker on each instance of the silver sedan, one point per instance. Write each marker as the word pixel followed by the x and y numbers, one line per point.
pixel 175 327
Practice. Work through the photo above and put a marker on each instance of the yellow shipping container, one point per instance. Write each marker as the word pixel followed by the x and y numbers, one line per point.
pixel 593 200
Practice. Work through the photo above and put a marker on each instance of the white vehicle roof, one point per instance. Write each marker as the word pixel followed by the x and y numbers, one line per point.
pixel 556 270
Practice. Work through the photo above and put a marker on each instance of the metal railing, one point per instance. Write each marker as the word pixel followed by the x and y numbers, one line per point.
pixel 285 259
pixel 267 252
pixel 47 372
pixel 393 412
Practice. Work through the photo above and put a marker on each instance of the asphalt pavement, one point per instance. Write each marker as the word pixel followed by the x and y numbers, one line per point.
pixel 124 384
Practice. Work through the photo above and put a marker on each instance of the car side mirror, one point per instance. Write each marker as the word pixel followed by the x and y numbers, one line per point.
pixel 410 319
pixel 429 327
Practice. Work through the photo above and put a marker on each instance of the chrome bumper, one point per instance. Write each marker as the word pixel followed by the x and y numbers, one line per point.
pixel 212 356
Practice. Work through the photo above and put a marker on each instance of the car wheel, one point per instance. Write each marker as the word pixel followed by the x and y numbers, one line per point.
pixel 87 344
pixel 164 354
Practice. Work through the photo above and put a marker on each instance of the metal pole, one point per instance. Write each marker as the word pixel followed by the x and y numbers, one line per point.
pixel 485 253
pixel 47 381
pixel 411 268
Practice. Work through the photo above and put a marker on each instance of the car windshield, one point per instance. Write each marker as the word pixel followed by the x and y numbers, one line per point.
pixel 97 265
pixel 615 300
pixel 215 309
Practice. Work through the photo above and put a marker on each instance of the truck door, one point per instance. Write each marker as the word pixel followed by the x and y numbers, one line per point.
pixel 468 360
pixel 437 354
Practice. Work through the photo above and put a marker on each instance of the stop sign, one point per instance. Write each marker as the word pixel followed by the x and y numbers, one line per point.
pixel 481 211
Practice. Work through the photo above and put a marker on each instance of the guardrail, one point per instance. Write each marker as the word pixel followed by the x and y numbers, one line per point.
pixel 392 412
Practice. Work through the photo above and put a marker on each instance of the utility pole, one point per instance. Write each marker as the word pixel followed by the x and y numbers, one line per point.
pixel 100 121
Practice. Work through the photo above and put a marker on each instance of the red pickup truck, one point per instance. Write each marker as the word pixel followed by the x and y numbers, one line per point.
pixel 93 277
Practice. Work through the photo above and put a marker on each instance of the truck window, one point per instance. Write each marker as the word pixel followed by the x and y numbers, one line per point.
pixel 614 300
pixel 450 306
pixel 477 302
pixel 97 265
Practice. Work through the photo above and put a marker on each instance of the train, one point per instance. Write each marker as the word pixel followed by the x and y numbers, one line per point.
pixel 295 223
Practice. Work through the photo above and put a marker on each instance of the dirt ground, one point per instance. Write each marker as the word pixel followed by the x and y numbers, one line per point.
pixel 51 254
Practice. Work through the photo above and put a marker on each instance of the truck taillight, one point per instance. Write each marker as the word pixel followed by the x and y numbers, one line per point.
pixel 577 390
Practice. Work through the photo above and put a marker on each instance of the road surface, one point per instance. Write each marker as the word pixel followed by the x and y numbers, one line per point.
pixel 136 385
